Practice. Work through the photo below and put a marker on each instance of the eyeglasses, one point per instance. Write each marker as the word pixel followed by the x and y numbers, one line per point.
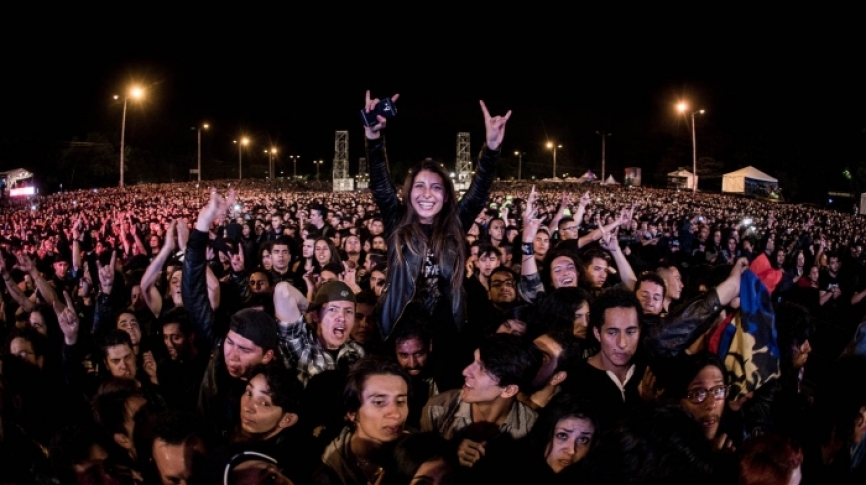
pixel 570 228
pixel 500 284
pixel 697 396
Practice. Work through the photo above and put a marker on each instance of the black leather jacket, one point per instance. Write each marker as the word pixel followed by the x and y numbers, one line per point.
pixel 399 287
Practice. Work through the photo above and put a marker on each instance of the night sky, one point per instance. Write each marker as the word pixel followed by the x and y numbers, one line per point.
pixel 783 91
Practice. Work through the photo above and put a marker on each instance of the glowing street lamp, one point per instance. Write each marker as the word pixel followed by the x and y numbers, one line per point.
pixel 244 141
pixel 318 163
pixel 199 128
pixel 135 93
pixel 519 156
pixel 294 159
pixel 683 108
pixel 553 146
pixel 271 153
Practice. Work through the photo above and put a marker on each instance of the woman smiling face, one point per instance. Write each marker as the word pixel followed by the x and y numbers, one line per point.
pixel 427 196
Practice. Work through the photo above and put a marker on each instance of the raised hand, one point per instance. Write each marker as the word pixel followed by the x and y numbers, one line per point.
pixel 170 243
pixel 372 132
pixel 531 210
pixel 67 319
pixel 216 208
pixel 106 273
pixel 585 199
pixel 149 365
pixel 237 260
pixel 25 264
pixel 495 126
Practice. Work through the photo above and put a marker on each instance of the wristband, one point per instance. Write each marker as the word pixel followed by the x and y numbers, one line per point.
pixel 526 249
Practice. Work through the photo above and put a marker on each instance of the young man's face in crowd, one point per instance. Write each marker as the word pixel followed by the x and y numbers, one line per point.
pixel 280 257
pixel 619 336
pixel 175 462
pixel 673 282
pixel 563 272
pixel 259 416
pixel 581 320
pixel 377 282
pixel 316 217
pixel 308 249
pixel 334 323
pixel 61 268
pixel 259 282
pixel 379 243
pixel 596 272
pixel 175 341
pixel 710 384
pixel 480 385
pixel 362 331
pixel 352 245
pixel 129 324
pixel 121 361
pixel 376 228
pixel 487 263
pixel 384 409
pixel 502 288
pixel 541 244
pixel 277 224
pixel 412 355
pixel 834 264
pixel 241 355
pixel 497 230
pixel 651 297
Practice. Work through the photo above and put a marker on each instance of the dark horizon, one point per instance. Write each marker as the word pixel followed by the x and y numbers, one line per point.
pixel 776 100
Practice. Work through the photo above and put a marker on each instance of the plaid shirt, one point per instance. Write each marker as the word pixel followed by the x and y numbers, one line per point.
pixel 306 354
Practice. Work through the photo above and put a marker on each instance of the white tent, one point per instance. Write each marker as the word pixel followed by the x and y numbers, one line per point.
pixel 682 179
pixel 610 181
pixel 736 182
pixel 588 177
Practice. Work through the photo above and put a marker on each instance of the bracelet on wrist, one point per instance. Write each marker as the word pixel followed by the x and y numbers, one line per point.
pixel 527 249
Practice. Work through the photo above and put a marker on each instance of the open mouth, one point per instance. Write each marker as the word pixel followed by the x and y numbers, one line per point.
pixel 425 205
pixel 340 332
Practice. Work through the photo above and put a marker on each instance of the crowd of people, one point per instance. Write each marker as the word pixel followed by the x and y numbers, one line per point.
pixel 258 332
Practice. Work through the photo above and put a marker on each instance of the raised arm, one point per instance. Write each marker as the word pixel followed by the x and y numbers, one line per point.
pixel 611 244
pixel 383 191
pixel 530 282
pixel 148 280
pixel 554 223
pixel 14 291
pixel 479 189
pixel 581 207
pixel 194 285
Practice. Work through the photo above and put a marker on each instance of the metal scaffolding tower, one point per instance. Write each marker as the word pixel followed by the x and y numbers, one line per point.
pixel 341 155
pixel 464 159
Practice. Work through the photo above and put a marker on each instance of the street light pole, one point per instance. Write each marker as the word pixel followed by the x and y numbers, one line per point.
pixel 241 143
pixel 554 146
pixel 122 139
pixel 205 126
pixel 519 164
pixel 318 163
pixel 136 93
pixel 271 153
pixel 603 136
pixel 682 107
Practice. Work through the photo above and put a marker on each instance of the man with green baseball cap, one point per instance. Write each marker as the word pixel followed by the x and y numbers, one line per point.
pixel 325 345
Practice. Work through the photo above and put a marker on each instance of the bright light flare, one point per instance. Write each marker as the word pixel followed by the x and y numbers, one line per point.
pixel 682 107
pixel 205 126
pixel 136 92
pixel 245 141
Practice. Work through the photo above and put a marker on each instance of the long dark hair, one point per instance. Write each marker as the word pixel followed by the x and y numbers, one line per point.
pixel 447 235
